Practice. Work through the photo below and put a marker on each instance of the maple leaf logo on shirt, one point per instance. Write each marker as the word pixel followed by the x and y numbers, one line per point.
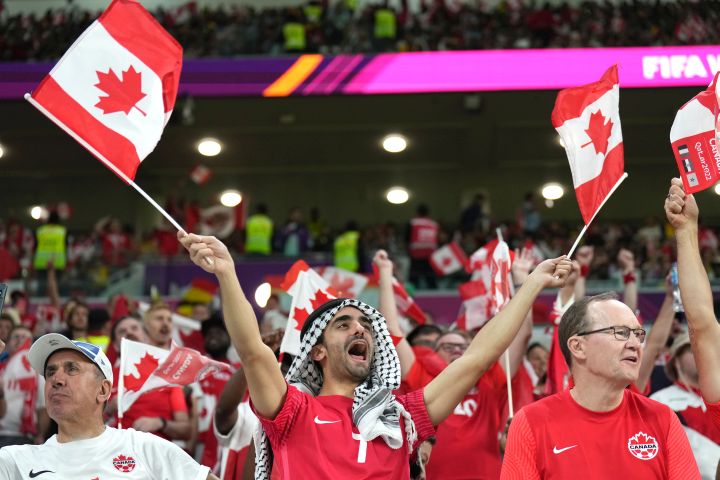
pixel 122 94
pixel 145 367
pixel 599 128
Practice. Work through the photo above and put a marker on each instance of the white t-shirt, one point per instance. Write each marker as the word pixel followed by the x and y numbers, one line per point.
pixel 114 455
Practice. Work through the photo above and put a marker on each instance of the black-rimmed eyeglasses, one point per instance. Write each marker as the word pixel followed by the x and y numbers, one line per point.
pixel 620 332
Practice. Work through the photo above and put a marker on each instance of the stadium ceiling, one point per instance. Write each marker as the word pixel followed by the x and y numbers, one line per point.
pixel 498 141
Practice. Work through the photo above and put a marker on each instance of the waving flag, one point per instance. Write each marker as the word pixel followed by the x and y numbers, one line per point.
pixel 501 286
pixel 588 121
pixel 308 291
pixel 406 305
pixel 476 308
pixel 145 367
pixel 345 282
pixel 114 89
pixel 448 259
pixel 694 142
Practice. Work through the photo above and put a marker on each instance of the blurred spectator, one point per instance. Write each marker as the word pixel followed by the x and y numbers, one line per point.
pixel 25 420
pixel 294 238
pixel 51 244
pixel 258 232
pixel 423 234
pixel 348 249
pixel 157 322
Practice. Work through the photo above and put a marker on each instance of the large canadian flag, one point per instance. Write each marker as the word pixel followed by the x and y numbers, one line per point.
pixel 145 367
pixel 115 88
pixel 308 291
pixel 588 121
pixel 694 141
pixel 448 259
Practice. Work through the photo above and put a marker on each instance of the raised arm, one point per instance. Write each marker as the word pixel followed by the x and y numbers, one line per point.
pixel 449 387
pixel 226 410
pixel 389 310
pixel 584 257
pixel 626 262
pixel 520 272
pixel 657 338
pixel 266 382
pixel 682 212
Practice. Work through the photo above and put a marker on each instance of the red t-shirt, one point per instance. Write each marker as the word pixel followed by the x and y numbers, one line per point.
pixel 713 411
pixel 315 437
pixel 689 404
pixel 555 438
pixel 467 441
pixel 163 403
pixel 211 386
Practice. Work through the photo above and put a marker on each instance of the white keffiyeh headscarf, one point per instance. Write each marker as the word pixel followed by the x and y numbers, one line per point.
pixel 375 411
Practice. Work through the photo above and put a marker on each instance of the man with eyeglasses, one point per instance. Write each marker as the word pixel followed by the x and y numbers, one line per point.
pixel 599 429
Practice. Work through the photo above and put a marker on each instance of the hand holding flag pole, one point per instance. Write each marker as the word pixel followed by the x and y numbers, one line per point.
pixel 588 121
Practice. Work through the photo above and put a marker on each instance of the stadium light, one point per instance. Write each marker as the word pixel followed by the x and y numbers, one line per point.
pixel 209 147
pixel 552 191
pixel 230 198
pixel 37 212
pixel 2 152
pixel 262 294
pixel 560 141
pixel 397 195
pixel 717 188
pixel 394 143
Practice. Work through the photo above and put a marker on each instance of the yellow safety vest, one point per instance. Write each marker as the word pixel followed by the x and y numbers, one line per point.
pixel 294 34
pixel 313 13
pixel 259 230
pixel 50 245
pixel 384 23
pixel 346 256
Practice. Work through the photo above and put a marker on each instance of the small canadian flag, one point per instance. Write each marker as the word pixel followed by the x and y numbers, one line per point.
pixel 200 174
pixel 115 88
pixel 448 259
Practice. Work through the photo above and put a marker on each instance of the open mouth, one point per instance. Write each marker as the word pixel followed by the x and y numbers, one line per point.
pixel 631 359
pixel 358 350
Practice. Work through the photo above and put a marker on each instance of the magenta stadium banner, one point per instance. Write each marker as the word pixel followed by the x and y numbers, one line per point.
pixel 421 72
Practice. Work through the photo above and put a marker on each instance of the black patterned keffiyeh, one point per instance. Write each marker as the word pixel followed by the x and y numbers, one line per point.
pixel 376 412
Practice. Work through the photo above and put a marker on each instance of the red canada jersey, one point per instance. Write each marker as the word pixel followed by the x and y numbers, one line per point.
pixel 555 438
pixel 211 387
pixel 423 237
pixel 467 441
pixel 315 437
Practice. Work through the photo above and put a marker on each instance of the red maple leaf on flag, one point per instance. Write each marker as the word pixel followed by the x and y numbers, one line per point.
pixel 341 285
pixel 122 94
pixel 599 132
pixel 320 298
pixel 145 367
pixel 300 315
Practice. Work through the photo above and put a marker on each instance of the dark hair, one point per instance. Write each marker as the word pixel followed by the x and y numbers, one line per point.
pixel 261 208
pixel 113 331
pixel 423 210
pixel 422 330
pixel 215 321
pixel 317 313
pixel 535 345
pixel 575 320
pixel 97 318
pixel 461 333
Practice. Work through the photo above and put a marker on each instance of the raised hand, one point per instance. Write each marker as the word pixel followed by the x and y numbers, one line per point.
pixel 585 255
pixel 208 253
pixel 680 208
pixel 552 273
pixel 521 265
pixel 626 260
pixel 382 261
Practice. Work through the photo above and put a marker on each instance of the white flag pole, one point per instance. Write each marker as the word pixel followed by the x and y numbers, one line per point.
pixel 582 232
pixel 107 163
pixel 121 381
pixel 511 412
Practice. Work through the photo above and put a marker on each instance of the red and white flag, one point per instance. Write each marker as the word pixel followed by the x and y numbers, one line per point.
pixel 448 259
pixel 693 137
pixel 476 308
pixel 145 367
pixel 308 291
pixel 344 282
pixel 406 305
pixel 200 174
pixel 501 286
pixel 115 88
pixel 588 121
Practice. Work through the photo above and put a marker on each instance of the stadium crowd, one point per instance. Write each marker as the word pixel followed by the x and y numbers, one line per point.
pixel 212 420
pixel 341 26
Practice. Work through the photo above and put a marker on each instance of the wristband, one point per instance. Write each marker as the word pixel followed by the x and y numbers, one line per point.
pixel 584 270
pixel 396 340
pixel 629 278
pixel 164 424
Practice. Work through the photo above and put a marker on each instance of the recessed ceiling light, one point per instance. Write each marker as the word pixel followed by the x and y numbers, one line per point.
pixel 397 195
pixel 552 191
pixel 230 198
pixel 209 147
pixel 394 143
